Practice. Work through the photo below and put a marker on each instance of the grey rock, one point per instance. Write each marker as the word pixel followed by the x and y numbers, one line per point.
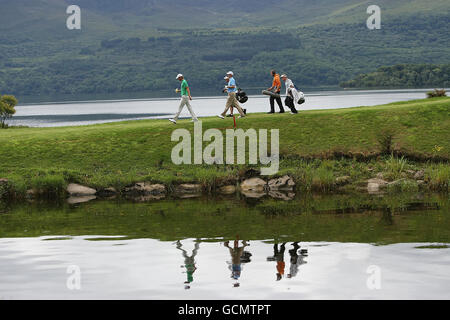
pixel 254 184
pixel 253 194
pixel 396 182
pixel 147 198
pixel 30 194
pixel 286 196
pixel 78 190
pixel 145 188
pixel 419 175
pixel 227 189
pixel 374 185
pixel 380 176
pixel 82 199
pixel 340 181
pixel 381 182
pixel 188 188
pixel 188 195
pixel 285 183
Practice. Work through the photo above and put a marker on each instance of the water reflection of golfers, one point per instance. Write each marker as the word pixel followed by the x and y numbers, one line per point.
pixel 238 257
pixel 296 260
pixel 189 262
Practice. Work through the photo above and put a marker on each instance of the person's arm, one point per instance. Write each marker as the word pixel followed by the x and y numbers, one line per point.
pixel 277 84
pixel 273 85
pixel 189 93
pixel 231 85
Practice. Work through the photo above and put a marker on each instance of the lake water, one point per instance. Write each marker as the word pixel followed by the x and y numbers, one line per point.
pixel 91 112
pixel 357 247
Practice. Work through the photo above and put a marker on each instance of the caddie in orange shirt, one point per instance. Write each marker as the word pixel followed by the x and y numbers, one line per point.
pixel 276 88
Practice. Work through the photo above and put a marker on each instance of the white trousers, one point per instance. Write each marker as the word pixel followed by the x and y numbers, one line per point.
pixel 185 102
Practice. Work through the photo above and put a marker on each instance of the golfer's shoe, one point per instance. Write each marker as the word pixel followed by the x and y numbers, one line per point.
pixel 194 120
pixel 173 121
pixel 245 111
pixel 221 116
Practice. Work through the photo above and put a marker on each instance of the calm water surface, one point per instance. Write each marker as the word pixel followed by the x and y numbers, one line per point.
pixel 229 248
pixel 91 112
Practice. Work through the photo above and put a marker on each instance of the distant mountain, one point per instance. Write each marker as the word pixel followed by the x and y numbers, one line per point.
pixel 134 45
pixel 125 15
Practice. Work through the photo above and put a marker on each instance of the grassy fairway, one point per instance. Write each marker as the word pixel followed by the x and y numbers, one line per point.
pixel 116 154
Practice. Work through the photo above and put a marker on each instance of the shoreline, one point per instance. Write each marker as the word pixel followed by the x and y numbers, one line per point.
pixel 313 91
pixel 317 148
pixel 421 177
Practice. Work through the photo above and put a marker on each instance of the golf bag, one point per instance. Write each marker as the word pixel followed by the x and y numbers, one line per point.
pixel 296 95
pixel 301 97
pixel 241 96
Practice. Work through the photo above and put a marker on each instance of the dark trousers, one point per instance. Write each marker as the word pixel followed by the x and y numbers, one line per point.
pixel 289 102
pixel 272 104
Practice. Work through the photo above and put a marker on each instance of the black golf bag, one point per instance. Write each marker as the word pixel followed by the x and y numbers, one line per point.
pixel 241 96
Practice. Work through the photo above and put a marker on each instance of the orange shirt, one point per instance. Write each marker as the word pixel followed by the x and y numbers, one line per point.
pixel 277 82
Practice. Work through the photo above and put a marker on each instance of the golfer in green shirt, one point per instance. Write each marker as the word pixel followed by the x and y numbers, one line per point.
pixel 185 99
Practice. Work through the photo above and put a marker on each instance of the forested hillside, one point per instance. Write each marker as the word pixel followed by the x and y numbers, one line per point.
pixel 138 45
pixel 407 76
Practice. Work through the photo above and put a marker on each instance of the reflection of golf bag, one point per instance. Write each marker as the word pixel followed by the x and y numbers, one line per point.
pixel 246 257
pixel 241 96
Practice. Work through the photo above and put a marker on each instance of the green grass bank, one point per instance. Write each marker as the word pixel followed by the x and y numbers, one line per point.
pixel 315 148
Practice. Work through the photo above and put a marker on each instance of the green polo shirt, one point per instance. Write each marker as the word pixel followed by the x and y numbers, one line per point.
pixel 184 87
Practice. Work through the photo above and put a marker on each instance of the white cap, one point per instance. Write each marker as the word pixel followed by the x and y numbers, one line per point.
pixel 179 75
pixel 283 76
pixel 230 73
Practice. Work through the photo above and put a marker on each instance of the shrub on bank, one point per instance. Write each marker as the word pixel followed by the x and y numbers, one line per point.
pixel 403 186
pixel 438 177
pixel 7 104
pixel 49 185
pixel 436 93
pixel 385 140
pixel 395 167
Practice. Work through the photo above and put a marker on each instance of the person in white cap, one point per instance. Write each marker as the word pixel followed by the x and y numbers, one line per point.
pixel 185 99
pixel 232 101
pixel 291 93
